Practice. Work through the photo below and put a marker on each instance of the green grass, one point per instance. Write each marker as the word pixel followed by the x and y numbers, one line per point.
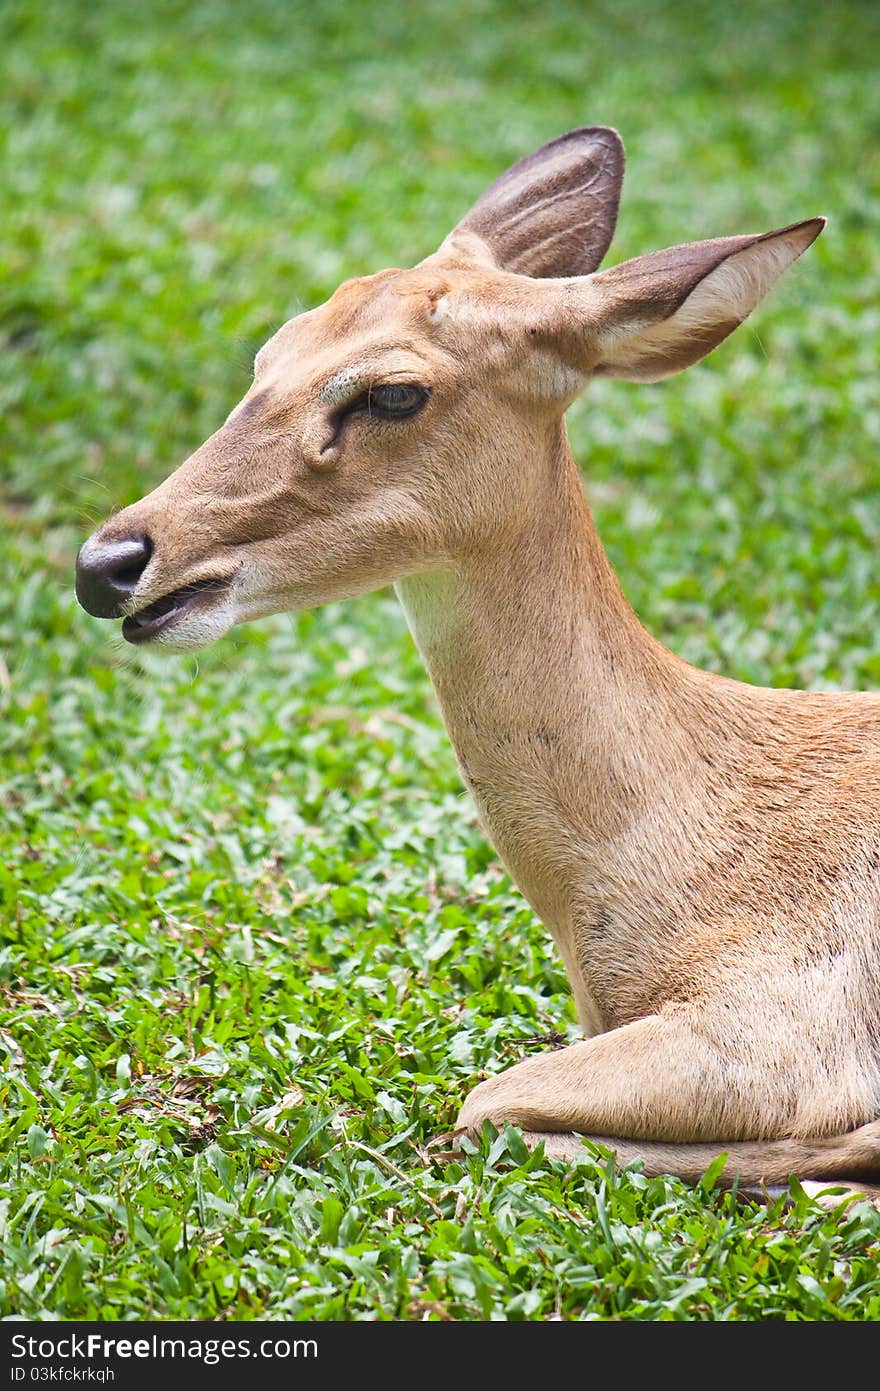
pixel 255 949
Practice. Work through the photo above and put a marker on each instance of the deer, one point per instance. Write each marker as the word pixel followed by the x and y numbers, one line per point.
pixel 704 853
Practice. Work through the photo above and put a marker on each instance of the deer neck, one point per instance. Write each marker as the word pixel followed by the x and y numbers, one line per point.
pixel 564 713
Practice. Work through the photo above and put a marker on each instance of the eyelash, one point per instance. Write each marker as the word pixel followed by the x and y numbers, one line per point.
pixel 371 403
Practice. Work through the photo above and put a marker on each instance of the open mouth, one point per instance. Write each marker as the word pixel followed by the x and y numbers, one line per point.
pixel 164 613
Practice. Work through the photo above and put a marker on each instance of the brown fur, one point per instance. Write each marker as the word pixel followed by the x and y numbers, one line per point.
pixel 705 853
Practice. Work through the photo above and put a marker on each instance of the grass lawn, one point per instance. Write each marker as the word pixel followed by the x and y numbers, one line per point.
pixel 254 947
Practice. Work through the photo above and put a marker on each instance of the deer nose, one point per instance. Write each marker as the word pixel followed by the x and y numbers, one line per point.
pixel 107 573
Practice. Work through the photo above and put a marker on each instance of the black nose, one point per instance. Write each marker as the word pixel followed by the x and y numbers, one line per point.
pixel 107 573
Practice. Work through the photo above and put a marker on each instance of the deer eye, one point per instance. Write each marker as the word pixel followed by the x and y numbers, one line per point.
pixel 394 399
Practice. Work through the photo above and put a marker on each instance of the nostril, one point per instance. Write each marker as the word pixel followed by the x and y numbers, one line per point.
pixel 108 572
pixel 129 576
pixel 122 563
pixel 131 569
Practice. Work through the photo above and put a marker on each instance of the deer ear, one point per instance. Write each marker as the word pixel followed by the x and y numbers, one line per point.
pixel 553 213
pixel 661 312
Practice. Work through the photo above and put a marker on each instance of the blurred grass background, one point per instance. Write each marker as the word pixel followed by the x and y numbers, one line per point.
pixel 253 877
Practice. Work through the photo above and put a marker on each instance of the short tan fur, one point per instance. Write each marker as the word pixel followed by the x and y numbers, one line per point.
pixel 706 854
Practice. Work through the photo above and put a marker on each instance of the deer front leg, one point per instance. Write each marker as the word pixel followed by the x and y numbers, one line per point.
pixel 653 1079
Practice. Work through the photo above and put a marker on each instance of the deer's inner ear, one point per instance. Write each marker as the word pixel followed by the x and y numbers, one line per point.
pixel 665 311
pixel 657 314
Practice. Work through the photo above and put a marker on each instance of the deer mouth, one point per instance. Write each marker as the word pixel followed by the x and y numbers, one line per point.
pixel 168 611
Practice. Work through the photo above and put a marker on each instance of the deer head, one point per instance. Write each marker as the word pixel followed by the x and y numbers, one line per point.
pixel 396 427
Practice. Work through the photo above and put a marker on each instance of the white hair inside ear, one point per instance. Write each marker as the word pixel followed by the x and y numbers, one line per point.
pixel 637 338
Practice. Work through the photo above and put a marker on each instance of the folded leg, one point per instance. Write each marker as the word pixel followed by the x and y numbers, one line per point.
pixel 656 1091
pixel 654 1079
